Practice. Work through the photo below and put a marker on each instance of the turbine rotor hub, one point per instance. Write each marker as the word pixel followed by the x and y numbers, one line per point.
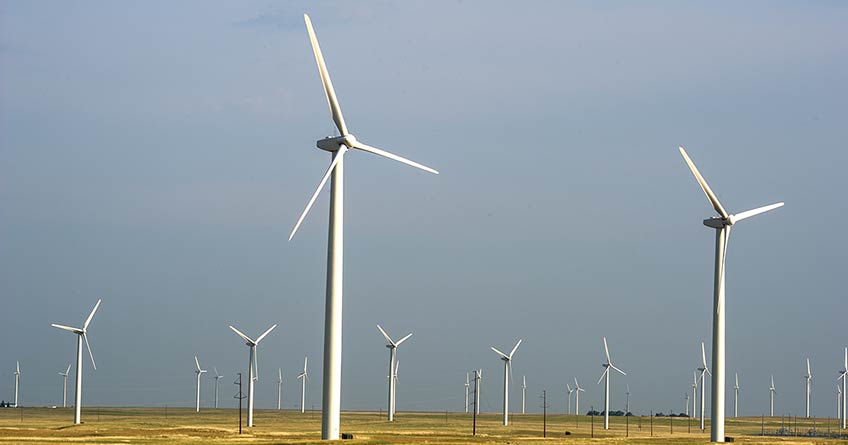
pixel 332 144
pixel 717 222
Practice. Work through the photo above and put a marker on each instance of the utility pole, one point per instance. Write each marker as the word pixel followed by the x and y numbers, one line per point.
pixel 240 397
pixel 593 421
pixel 476 403
pixel 544 413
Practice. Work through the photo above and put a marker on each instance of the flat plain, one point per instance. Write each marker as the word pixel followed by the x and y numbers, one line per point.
pixel 219 426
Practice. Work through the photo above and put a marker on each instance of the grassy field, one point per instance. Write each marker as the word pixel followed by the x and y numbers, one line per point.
pixel 183 426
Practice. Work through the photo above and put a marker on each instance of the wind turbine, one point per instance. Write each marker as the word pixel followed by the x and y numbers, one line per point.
pixel 771 399
pixel 722 225
pixel 199 372
pixel 844 376
pixel 605 376
pixel 577 391
pixel 687 404
pixel 523 391
pixel 808 378
pixel 507 359
pixel 736 396
pixel 303 377
pixel 280 390
pixel 478 377
pixel 694 393
pixel 65 386
pixel 81 335
pixel 338 146
pixel 392 345
pixel 838 401
pixel 17 381
pixel 570 390
pixel 467 384
pixel 253 368
pixel 217 377
pixel 704 370
pixel 627 404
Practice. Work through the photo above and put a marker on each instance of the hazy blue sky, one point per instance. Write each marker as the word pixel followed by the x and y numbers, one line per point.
pixel 157 154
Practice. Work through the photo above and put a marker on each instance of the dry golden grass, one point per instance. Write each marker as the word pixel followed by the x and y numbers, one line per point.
pixel 184 426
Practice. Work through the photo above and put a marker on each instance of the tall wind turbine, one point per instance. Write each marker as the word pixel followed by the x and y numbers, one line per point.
pixel 577 391
pixel 605 376
pixel 392 346
pixel 217 377
pixel 507 359
pixel 280 390
pixel 570 390
pixel 65 386
pixel 338 146
pixel 253 368
pixel 694 393
pixel 199 372
pixel 81 336
pixel 467 384
pixel 704 370
pixel 808 378
pixel 303 377
pixel 17 381
pixel 736 396
pixel 844 376
pixel 722 225
pixel 687 404
pixel 523 392
pixel 771 397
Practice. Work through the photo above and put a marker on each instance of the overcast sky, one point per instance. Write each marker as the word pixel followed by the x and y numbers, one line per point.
pixel 157 154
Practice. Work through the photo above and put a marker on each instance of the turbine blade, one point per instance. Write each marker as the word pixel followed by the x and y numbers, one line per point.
pixel 265 333
pixel 66 328
pixel 255 363
pixel 69 369
pixel 85 337
pixel 281 374
pixel 809 374
pixel 330 93
pixel 622 372
pixel 18 367
pixel 91 315
pixel 240 334
pixel 515 348
pixel 217 376
pixel 704 186
pixel 707 370
pixel 568 387
pixel 403 339
pixel 703 355
pixel 606 350
pixel 305 360
pixel 737 379
pixel 576 385
pixel 196 362
pixel 395 157
pixel 511 375
pixel 606 370
pixel 749 213
pixel 336 159
pixel 388 339
pixel 499 352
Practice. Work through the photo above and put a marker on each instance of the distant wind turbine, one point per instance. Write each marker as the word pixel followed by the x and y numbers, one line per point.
pixel 467 384
pixel 199 372
pixel 523 391
pixel 808 378
pixel 577 391
pixel 478 378
pixel 303 377
pixel 687 403
pixel 771 397
pixel 694 393
pixel 736 397
pixel 280 390
pixel 722 225
pixel 17 381
pixel 844 376
pixel 605 376
pixel 570 390
pixel 338 146
pixel 253 368
pixel 81 336
pixel 507 359
pixel 217 377
pixel 704 370
pixel 65 386
pixel 392 346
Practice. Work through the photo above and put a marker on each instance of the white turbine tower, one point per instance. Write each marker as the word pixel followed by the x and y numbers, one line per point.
pixel 303 377
pixel 577 391
pixel 736 396
pixel 570 391
pixel 687 404
pixel 722 225
pixel 253 368
pixel 478 377
pixel 694 393
pixel 467 384
pixel 392 346
pixel 65 386
pixel 217 377
pixel 17 381
pixel 808 378
pixel 81 336
pixel 338 146
pixel 605 376
pixel 771 397
pixel 280 390
pixel 704 370
pixel 199 372
pixel 523 392
pixel 844 376
pixel 507 359
pixel 394 391
pixel 838 401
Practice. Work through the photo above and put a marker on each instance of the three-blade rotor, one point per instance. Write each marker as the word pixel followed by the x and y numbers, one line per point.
pixel 704 367
pixel 392 343
pixel 508 358
pixel 577 386
pixel 608 364
pixel 198 369
pixel 82 331
pixel 304 374
pixel 253 344
pixel 339 145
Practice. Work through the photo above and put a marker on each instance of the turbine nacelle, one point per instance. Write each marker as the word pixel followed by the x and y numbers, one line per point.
pixel 334 143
